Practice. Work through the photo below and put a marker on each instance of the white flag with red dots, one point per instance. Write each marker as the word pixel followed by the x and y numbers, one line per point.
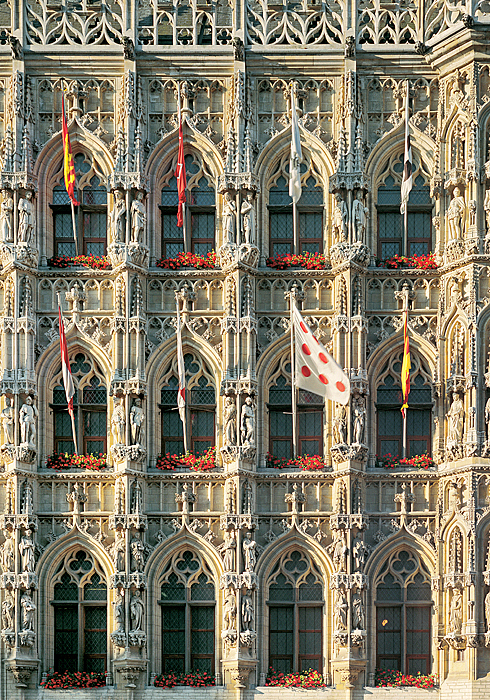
pixel 316 370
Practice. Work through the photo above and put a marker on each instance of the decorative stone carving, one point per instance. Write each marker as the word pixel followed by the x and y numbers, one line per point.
pixel 358 617
pixel 26 548
pixel 119 635
pixel 138 219
pixel 228 549
pixel 456 613
pixel 295 498
pixel 118 422
pixel 6 218
pixel 359 420
pixel 229 610
pixel 360 215
pixel 455 418
pixel 455 216
pixel 229 220
pixel 27 419
pixel 21 675
pixel 249 552
pixel 248 614
pixel 8 612
pixel 247 423
pixel 7 417
pixel 340 220
pixel 27 635
pixel 137 553
pixel 136 422
pixel 27 221
pixel 247 211
pixel 137 609
pixel 340 425
pixel 340 611
pixel 118 218
pixel 229 419
pixel 339 551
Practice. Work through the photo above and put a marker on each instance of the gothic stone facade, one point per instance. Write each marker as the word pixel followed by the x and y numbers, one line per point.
pixel 133 570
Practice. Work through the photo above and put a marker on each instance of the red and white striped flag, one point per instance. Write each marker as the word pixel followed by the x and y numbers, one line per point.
pixel 316 370
pixel 180 175
pixel 181 368
pixel 65 365
pixel 407 182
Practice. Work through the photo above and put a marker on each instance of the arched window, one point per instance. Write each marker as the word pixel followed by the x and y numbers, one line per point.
pixel 199 210
pixel 188 603
pixel 90 216
pixel 419 212
pixel 295 602
pixel 90 404
pixel 200 408
pixel 309 413
pixel 309 213
pixel 419 414
pixel 80 614
pixel 403 610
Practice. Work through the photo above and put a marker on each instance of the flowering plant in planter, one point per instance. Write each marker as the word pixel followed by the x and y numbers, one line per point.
pixel 196 463
pixel 390 461
pixel 310 261
pixel 65 461
pixel 304 679
pixel 188 260
pixel 60 261
pixel 421 262
pixel 73 679
pixel 195 679
pixel 96 262
pixel 305 462
pixel 388 678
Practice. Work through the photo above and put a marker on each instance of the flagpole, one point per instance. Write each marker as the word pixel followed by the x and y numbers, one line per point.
pixel 296 250
pixel 181 129
pixel 405 231
pixel 183 414
pixel 292 301
pixel 74 227
pixel 65 123
pixel 404 438
pixel 71 413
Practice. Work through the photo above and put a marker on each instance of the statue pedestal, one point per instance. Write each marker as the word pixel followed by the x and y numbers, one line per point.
pixel 239 669
pixel 128 459
pixel 130 669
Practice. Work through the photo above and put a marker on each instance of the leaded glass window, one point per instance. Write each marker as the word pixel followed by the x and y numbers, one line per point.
pixel 403 614
pixel 188 600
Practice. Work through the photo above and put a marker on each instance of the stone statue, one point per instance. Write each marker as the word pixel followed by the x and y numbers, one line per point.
pixel 486 207
pixel 358 619
pixel 247 497
pixel 28 610
pixel 247 610
pixel 117 218
pixel 119 551
pixel 137 610
pixel 339 547
pixel 249 552
pixel 26 548
pixel 228 549
pixel 229 610
pixel 359 552
pixel 229 209
pixel 136 497
pixel 455 214
pixel 118 604
pixel 8 608
pixel 138 219
pixel 340 425
pixel 8 554
pixel 359 422
pixel 8 422
pixel 454 499
pixel 136 420
pixel 456 613
pixel 6 218
pixel 359 218
pixel 27 222
pixel 27 419
pixel 247 425
pixel 137 553
pixel 118 422
pixel 340 611
pixel 248 219
pixel 487 610
pixel 229 416
pixel 487 416
pixel 455 418
pixel 340 219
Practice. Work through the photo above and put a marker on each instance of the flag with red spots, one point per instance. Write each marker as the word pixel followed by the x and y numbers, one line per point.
pixel 316 370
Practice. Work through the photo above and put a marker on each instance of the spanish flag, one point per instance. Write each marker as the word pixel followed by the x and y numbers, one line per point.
pixel 68 165
pixel 406 365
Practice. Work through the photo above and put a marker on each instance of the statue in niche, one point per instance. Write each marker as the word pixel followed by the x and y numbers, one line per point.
pixel 8 611
pixel 118 422
pixel 340 611
pixel 28 610
pixel 247 425
pixel 359 552
pixel 228 549
pixel 340 425
pixel 247 497
pixel 117 218
pixel 359 421
pixel 456 613
pixel 359 218
pixel 8 553
pixel 6 218
pixel 249 552
pixel 455 214
pixel 27 419
pixel 136 420
pixel 27 221
pixel 358 619
pixel 229 610
pixel 229 416
pixel 119 551
pixel 137 553
pixel 119 611
pixel 137 498
pixel 137 610
pixel 339 555
pixel 26 548
pixel 247 211
pixel 138 219
pixel 455 418
pixel 487 611
pixel 454 499
pixel 229 209
pixel 8 422
pixel 340 219
pixel 247 610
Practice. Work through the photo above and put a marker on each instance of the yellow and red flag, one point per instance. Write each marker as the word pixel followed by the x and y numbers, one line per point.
pixel 406 366
pixel 68 164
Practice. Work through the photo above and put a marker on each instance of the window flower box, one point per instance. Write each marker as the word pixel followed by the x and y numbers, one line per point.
pixel 305 462
pixel 308 261
pixel 96 262
pixel 196 679
pixel 200 262
pixel 387 678
pixel 196 463
pixel 420 262
pixel 390 461
pixel 59 462
pixel 304 679
pixel 58 680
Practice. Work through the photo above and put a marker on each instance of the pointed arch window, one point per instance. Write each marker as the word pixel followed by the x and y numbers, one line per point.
pixel 90 216
pixel 419 214
pixel 419 414
pixel 403 614
pixel 199 211
pixel 90 404
pixel 188 601
pixel 80 614
pixel 309 213
pixel 295 602
pixel 200 408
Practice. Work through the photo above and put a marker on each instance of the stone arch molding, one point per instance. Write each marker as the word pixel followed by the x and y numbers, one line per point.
pixel 48 362
pixel 396 541
pixel 288 541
